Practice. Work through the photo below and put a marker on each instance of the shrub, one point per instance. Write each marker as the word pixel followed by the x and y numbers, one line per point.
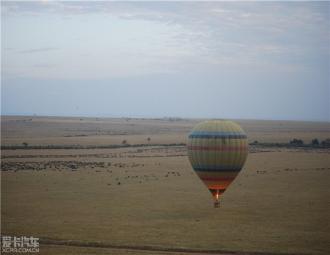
pixel 315 142
pixel 296 142
pixel 326 142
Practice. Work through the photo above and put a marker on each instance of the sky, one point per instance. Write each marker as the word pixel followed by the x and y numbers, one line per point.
pixel 233 60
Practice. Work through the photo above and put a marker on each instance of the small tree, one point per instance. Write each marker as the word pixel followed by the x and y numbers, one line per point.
pixel 124 142
pixel 315 141
pixel 148 139
pixel 296 142
pixel 326 142
pixel 25 144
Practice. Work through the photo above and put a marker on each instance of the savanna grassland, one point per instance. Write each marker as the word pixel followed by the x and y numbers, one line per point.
pixel 125 186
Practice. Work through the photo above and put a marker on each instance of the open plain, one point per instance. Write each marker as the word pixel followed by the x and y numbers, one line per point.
pixel 125 186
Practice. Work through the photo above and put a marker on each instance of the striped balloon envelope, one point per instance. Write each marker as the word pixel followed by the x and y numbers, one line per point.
pixel 217 150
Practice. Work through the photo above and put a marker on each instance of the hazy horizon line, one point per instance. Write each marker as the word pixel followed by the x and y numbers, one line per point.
pixel 156 117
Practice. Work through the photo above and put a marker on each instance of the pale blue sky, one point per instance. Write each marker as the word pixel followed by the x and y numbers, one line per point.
pixel 259 60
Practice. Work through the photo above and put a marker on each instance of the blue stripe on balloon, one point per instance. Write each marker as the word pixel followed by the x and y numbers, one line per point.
pixel 205 134
pixel 217 168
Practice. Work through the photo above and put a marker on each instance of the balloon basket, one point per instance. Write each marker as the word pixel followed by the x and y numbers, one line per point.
pixel 216 204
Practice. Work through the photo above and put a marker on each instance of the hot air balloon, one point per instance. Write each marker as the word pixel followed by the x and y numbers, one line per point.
pixel 217 150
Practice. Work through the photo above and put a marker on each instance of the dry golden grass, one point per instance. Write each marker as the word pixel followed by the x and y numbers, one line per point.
pixel 278 203
pixel 96 131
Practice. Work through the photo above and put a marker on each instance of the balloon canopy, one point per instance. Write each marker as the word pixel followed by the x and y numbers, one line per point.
pixel 217 150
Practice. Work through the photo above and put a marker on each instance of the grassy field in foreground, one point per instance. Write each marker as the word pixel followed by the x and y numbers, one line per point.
pixel 151 197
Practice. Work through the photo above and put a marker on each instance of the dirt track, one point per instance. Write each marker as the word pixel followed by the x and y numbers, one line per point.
pixel 132 248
